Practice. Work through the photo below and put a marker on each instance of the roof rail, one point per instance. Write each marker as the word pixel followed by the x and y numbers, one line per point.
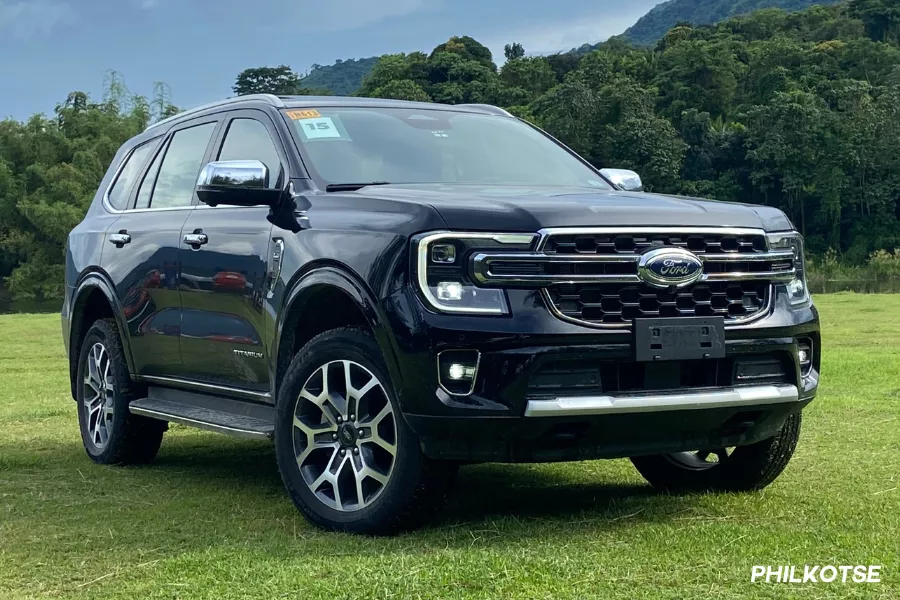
pixel 494 110
pixel 270 98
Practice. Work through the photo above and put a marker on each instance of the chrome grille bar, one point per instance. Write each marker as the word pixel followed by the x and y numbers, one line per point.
pixel 482 262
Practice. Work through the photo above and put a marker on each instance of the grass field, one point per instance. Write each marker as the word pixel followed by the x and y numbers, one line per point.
pixel 210 519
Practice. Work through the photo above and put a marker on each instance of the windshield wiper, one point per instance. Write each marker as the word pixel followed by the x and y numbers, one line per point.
pixel 352 187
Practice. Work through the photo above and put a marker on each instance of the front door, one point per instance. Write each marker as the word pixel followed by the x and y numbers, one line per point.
pixel 224 258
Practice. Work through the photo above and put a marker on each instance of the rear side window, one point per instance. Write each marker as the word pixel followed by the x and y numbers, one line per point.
pixel 180 167
pixel 248 139
pixel 146 189
pixel 128 174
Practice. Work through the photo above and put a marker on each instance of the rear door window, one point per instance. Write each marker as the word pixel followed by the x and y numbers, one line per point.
pixel 128 174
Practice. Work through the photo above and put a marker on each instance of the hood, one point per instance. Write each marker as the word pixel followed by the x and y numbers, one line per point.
pixel 504 208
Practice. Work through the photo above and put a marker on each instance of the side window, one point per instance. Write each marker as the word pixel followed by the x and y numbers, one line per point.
pixel 134 163
pixel 248 139
pixel 146 189
pixel 180 167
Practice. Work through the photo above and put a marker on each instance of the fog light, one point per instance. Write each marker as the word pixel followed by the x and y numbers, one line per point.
pixel 449 291
pixel 457 371
pixel 804 355
pixel 444 254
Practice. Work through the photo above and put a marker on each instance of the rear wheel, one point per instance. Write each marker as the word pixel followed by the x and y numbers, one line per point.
pixel 738 469
pixel 347 457
pixel 110 433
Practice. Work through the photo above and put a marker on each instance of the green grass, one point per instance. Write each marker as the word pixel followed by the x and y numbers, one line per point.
pixel 210 519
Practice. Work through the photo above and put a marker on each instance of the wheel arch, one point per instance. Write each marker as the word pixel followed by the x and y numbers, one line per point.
pixel 334 298
pixel 94 298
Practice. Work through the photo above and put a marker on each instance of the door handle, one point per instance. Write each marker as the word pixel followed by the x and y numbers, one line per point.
pixel 196 239
pixel 120 239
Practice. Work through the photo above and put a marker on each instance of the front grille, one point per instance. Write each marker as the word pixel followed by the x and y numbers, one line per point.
pixel 617 304
pixel 594 277
pixel 627 243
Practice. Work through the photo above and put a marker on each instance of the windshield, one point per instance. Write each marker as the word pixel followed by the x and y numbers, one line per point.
pixel 404 145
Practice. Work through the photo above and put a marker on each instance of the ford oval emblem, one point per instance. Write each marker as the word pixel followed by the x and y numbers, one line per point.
pixel 667 267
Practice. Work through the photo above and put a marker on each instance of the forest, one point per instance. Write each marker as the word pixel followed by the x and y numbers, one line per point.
pixel 795 110
pixel 653 26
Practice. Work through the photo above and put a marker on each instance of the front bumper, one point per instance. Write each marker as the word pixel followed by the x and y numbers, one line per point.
pixel 509 418
pixel 586 406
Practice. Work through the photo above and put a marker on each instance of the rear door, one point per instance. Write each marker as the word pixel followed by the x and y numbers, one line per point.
pixel 142 259
pixel 223 279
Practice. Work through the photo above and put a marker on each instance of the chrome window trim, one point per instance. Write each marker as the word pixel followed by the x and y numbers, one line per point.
pixel 422 266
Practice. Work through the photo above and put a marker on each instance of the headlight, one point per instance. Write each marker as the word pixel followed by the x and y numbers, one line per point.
pixel 442 272
pixel 797 289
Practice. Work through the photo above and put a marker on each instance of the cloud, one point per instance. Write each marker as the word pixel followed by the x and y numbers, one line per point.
pixel 24 19
pixel 563 35
pixel 342 15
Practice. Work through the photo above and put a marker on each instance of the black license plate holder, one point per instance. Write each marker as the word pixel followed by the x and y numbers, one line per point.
pixel 680 338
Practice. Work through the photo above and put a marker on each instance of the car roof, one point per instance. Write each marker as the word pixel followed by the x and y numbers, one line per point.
pixel 280 102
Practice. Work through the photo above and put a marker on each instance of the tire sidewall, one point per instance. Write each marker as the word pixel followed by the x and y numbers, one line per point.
pixel 355 345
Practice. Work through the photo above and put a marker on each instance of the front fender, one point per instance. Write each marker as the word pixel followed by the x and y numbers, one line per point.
pixel 304 289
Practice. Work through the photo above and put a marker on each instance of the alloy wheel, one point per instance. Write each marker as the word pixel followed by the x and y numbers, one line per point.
pixel 99 395
pixel 344 435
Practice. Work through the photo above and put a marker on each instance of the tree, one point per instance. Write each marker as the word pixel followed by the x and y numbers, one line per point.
pixel 513 51
pixel 402 89
pixel 468 49
pixel 532 74
pixel 279 80
pixel 880 17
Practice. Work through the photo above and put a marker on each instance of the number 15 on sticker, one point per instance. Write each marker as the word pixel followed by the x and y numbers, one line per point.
pixel 322 127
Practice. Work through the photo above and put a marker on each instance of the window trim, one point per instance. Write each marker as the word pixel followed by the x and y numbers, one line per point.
pixel 216 118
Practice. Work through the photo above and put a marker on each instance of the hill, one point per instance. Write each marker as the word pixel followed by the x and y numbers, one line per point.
pixel 653 26
pixel 342 78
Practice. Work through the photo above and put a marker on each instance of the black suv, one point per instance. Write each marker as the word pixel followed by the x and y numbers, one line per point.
pixel 391 289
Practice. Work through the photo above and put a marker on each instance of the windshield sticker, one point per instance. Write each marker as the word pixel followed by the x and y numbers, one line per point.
pixel 440 134
pixel 297 115
pixel 319 128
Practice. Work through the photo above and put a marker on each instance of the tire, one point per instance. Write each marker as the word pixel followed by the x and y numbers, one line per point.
pixel 365 490
pixel 110 433
pixel 745 469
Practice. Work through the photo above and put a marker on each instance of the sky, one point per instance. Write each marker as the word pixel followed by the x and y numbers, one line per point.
pixel 49 48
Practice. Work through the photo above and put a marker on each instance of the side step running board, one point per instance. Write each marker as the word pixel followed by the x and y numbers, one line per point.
pixel 231 417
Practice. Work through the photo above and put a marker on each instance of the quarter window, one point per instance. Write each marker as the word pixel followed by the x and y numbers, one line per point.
pixel 248 139
pixel 180 167
pixel 131 170
pixel 146 189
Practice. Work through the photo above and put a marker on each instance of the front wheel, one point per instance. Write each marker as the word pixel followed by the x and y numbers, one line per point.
pixel 739 469
pixel 347 457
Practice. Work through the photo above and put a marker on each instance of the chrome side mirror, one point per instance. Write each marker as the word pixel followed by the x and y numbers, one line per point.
pixel 624 179
pixel 236 183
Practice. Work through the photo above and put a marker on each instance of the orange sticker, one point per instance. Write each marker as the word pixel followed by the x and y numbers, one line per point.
pixel 296 115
